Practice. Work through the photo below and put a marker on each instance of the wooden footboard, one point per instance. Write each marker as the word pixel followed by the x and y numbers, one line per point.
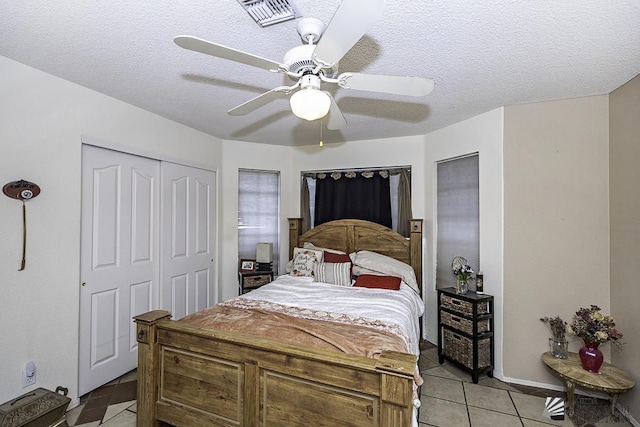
pixel 190 376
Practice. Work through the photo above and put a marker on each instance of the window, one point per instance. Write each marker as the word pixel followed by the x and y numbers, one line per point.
pixel 458 216
pixel 258 212
pixel 399 193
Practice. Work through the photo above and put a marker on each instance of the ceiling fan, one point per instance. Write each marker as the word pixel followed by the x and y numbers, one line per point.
pixel 316 62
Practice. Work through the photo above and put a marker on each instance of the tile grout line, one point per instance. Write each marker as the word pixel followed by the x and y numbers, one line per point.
pixel 515 407
pixel 466 403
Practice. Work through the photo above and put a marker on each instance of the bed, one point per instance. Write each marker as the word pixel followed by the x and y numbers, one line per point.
pixel 190 375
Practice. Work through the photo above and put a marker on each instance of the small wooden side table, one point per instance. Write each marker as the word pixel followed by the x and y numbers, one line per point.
pixel 610 379
pixel 251 280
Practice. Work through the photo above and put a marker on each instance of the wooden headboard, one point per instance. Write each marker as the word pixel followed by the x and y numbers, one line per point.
pixel 352 235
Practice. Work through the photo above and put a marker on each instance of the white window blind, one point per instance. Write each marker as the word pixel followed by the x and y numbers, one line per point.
pixel 458 216
pixel 258 212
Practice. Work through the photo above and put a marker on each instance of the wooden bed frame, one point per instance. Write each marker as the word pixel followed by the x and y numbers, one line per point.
pixel 193 376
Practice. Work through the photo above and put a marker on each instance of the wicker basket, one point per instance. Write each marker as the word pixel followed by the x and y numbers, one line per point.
pixel 462 324
pixel 460 348
pixel 462 306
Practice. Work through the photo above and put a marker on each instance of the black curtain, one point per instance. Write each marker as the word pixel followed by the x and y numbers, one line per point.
pixel 353 198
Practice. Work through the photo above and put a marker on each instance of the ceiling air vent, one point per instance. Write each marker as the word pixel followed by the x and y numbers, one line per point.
pixel 269 12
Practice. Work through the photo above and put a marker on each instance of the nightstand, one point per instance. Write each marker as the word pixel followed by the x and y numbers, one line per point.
pixel 250 280
pixel 465 331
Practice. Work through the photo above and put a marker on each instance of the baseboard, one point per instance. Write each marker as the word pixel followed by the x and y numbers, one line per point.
pixel 74 402
pixel 533 383
pixel 625 413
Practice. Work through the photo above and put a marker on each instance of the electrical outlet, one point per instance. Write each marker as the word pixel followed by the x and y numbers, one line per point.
pixel 27 380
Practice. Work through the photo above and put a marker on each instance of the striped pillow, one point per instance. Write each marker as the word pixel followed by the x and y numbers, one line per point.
pixel 336 273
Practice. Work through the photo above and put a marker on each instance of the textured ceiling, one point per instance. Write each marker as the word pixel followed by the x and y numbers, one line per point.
pixel 481 54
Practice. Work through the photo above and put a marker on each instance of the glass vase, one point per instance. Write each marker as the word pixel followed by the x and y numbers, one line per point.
pixel 463 287
pixel 591 357
pixel 559 347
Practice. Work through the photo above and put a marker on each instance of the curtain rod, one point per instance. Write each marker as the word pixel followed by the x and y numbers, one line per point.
pixel 377 168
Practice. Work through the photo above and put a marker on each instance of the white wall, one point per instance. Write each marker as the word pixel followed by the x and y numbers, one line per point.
pixel 556 221
pixel 246 155
pixel 624 156
pixel 403 151
pixel 483 135
pixel 42 120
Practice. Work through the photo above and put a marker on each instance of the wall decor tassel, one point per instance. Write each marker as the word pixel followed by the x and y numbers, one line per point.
pixel 22 190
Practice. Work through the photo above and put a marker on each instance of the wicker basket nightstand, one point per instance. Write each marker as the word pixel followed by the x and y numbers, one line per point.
pixel 465 331
pixel 253 280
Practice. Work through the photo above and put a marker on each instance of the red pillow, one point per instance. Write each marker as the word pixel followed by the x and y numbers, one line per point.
pixel 379 282
pixel 338 258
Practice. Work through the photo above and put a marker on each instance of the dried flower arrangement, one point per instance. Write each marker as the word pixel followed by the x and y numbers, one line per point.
pixel 558 327
pixel 593 326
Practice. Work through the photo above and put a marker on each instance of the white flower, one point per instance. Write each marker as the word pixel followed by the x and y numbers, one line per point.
pixel 602 336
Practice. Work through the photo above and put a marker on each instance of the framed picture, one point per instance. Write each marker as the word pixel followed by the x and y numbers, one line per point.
pixel 247 265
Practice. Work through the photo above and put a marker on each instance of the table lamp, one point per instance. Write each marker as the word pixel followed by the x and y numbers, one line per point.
pixel 264 256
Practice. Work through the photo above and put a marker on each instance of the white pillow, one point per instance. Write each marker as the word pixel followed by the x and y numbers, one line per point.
pixel 309 245
pixel 336 273
pixel 304 260
pixel 358 270
pixel 384 264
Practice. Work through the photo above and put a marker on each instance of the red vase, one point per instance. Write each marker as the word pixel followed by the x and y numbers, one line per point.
pixel 591 357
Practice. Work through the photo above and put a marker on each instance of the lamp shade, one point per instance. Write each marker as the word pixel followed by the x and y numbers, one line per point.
pixel 310 103
pixel 264 252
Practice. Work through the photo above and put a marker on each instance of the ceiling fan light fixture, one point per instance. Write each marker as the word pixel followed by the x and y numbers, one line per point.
pixel 310 104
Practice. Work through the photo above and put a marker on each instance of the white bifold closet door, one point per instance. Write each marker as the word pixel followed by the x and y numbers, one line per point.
pixel 188 236
pixel 129 203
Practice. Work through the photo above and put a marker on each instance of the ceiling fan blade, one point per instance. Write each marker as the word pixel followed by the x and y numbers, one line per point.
pixel 350 22
pixel 398 85
pixel 259 101
pixel 334 120
pixel 214 49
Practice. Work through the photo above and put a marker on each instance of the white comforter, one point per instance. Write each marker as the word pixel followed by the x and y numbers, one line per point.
pixel 402 307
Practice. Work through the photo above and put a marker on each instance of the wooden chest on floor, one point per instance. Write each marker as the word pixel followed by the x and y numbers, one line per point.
pixel 37 408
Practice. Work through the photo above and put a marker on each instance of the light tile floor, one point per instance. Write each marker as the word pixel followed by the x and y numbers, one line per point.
pixel 449 399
